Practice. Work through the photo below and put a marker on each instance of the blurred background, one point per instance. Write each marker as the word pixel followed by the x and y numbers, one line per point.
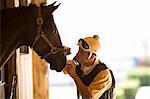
pixel 124 30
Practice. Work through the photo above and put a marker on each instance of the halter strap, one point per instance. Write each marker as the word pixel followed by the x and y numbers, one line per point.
pixel 40 33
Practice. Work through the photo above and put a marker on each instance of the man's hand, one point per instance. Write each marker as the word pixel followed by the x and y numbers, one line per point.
pixel 71 68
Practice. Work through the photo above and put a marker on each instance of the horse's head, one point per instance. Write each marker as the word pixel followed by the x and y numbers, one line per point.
pixel 47 41
pixel 35 27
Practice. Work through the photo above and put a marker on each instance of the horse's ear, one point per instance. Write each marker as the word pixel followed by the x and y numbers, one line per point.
pixel 55 7
pixel 51 8
pixel 53 3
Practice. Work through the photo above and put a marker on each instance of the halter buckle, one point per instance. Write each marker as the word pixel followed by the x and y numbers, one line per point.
pixel 39 21
pixel 54 50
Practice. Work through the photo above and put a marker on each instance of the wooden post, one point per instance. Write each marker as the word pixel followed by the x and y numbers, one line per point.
pixel 40 77
pixel 2 92
pixel 9 4
pixel 22 2
pixel 37 2
pixel 24 87
pixel 2 5
pixel 32 76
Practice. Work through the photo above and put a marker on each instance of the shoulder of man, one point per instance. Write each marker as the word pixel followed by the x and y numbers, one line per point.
pixel 103 69
pixel 87 79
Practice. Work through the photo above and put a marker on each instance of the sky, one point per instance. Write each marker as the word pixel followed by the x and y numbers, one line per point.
pixel 123 25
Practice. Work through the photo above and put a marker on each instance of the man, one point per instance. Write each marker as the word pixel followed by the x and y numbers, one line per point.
pixel 93 79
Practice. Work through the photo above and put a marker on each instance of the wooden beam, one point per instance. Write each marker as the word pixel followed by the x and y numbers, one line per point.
pixel 2 92
pixel 24 88
pixel 32 76
pixel 24 49
pixel 22 2
pixel 2 5
pixel 9 4
pixel 40 77
pixel 37 2
pixel 5 4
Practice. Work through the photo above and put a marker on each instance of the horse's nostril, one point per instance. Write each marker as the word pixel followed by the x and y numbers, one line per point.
pixel 51 67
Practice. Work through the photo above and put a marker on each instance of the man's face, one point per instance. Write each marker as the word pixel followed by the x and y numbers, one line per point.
pixel 82 56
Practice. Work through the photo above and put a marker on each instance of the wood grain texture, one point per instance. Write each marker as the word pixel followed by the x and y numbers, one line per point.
pixel 24 89
pixel 2 91
pixel 40 77
pixel 32 77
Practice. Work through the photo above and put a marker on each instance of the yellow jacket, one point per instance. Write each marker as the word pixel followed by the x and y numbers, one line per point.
pixel 100 83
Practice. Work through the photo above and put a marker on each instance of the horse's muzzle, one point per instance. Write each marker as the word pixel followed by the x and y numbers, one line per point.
pixel 67 50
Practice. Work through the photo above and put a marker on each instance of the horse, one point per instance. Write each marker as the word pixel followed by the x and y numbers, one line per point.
pixel 32 26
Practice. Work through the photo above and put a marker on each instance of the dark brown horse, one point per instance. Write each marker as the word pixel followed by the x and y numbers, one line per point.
pixel 32 26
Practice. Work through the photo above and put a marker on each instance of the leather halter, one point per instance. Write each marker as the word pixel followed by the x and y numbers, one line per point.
pixel 40 33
